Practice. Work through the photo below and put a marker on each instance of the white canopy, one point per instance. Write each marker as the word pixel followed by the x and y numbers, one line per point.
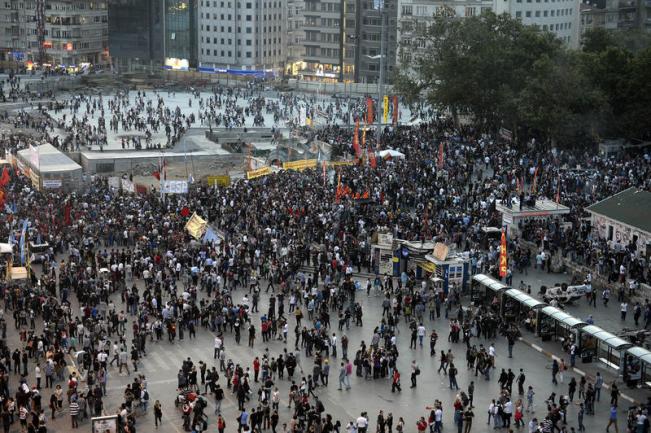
pixel 392 153
pixel 6 248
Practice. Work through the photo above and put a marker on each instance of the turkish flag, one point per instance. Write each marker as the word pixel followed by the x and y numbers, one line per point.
pixel 185 212
pixel 4 180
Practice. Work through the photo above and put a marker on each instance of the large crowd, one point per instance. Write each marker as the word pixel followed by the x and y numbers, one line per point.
pixel 121 272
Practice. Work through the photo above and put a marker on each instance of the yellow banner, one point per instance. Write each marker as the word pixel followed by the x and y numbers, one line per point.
pixel 385 114
pixel 300 164
pixel 340 163
pixel 220 180
pixel 258 172
pixel 196 226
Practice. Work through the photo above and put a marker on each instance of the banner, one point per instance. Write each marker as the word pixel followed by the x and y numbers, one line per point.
pixel 22 241
pixel 370 114
pixel 52 183
pixel 259 172
pixel 219 180
pixel 301 164
pixel 503 256
pixel 174 186
pixel 395 110
pixel 340 163
pixel 356 148
pixel 196 226
pixel 128 186
pixel 385 113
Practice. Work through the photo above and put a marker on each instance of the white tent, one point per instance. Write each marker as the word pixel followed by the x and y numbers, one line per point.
pixel 390 153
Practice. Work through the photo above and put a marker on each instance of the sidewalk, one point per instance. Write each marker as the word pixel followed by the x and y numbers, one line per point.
pixel 552 350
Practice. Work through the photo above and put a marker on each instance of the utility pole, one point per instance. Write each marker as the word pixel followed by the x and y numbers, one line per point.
pixel 380 82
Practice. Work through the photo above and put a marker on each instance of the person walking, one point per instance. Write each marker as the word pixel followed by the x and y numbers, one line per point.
pixel 612 418
pixel 74 412
pixel 415 371
pixel 598 383
pixel 579 417
pixel 395 381
pixel 452 374
pixel 342 377
pixel 555 369
pixel 158 413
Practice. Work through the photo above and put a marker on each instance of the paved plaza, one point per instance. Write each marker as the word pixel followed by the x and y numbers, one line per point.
pixel 163 361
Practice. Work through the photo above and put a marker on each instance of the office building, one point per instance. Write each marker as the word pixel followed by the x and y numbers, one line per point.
pixel 611 14
pixel 70 33
pixel 180 34
pixel 245 35
pixel 136 34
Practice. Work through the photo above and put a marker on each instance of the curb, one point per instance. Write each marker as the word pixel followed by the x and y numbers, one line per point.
pixel 578 371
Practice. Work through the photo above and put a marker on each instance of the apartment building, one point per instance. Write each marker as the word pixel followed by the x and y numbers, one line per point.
pixel 74 31
pixel 243 34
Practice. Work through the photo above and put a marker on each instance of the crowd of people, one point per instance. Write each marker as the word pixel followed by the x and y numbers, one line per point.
pixel 121 272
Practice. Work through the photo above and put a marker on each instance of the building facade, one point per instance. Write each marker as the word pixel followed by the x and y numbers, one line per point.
pixel 75 32
pixel 561 17
pixel 136 33
pixel 295 37
pixel 248 35
pixel 414 16
pixel 180 33
pixel 611 14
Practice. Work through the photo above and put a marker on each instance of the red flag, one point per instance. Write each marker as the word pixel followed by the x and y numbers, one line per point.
pixel 533 184
pixel 370 114
pixel 66 214
pixel 395 110
pixel 156 174
pixel 185 212
pixel 503 256
pixel 358 151
pixel 4 180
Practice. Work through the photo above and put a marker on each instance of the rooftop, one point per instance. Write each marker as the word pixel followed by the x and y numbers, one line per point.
pixel 631 207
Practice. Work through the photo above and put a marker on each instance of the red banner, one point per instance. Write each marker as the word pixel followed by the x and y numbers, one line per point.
pixel 371 158
pixel 503 256
pixel 370 114
pixel 395 110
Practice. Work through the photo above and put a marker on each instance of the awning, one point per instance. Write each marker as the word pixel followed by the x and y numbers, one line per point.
pixel 489 282
pixel 563 318
pixel 606 337
pixel 640 353
pixel 524 299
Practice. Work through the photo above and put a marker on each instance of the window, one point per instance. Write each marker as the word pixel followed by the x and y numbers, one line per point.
pixel 248 54
pixel 528 14
pixel 537 13
pixel 518 14
pixel 470 12
pixel 406 10
pixel 248 42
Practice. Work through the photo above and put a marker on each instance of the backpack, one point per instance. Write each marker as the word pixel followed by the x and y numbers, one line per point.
pixel 146 396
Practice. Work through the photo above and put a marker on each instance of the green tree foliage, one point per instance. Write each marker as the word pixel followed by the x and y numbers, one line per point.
pixel 503 73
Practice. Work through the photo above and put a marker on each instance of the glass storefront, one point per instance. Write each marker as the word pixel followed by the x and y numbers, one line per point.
pixel 181 30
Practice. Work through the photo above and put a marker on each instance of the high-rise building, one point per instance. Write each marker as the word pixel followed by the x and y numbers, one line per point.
pixel 66 33
pixel 295 36
pixel 136 33
pixel 242 34
pixel 561 17
pixel 612 14
pixel 180 26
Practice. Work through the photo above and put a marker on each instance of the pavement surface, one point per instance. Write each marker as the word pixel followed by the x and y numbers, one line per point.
pixel 164 359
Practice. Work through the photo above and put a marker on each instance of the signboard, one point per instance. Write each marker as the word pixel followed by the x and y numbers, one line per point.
pixel 127 185
pixel 52 183
pixel 221 180
pixel 196 226
pixel 105 424
pixel 259 172
pixel 301 164
pixel 174 186
pixel 35 179
pixel 440 251
pixel 340 163
pixel 385 239
pixel 506 134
